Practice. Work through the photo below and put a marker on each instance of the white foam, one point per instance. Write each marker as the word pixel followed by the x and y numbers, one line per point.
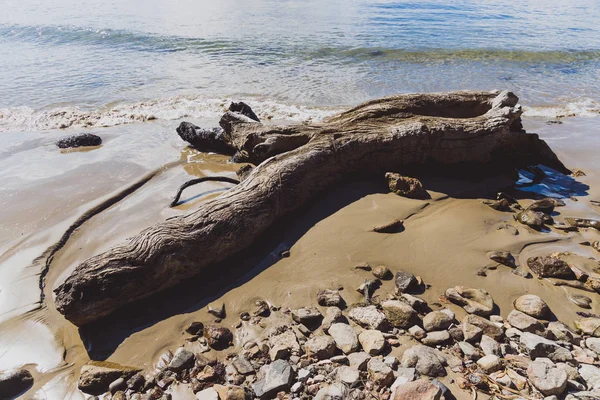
pixel 173 108
pixel 581 108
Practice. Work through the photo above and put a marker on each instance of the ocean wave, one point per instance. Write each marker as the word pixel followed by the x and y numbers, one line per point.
pixel 173 108
pixel 197 107
pixel 579 108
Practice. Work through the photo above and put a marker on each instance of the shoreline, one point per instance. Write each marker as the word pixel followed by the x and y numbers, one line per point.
pixel 321 254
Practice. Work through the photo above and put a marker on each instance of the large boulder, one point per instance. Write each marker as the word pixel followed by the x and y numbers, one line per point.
pixel 273 378
pixel 474 301
pixel 533 306
pixel 96 376
pixel 425 360
pixel 546 377
pixel 79 140
pixel 14 382
pixel 550 267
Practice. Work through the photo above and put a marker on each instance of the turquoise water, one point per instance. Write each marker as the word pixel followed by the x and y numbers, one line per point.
pixel 92 62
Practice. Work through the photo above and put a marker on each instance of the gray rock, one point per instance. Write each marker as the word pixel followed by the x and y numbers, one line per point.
pixel 425 360
pixel 436 338
pixel 539 347
pixel 330 298
pixel 471 333
pixel 417 332
pixel 437 321
pixel 474 301
pixel 359 360
pixel 14 382
pixel 320 347
pixel 593 344
pixel 421 389
pixel 489 346
pixel 347 375
pixel 276 377
pixel 524 322
pixel 493 330
pixel 504 258
pixel 404 375
pixel 117 385
pixel 533 306
pixel 469 351
pixel 283 345
pixel 368 317
pixel 490 363
pixel 591 375
pixel 406 282
pixel 391 361
pixel 296 387
pixel 182 359
pixel 335 391
pixel 243 365
pixel 550 267
pixel 561 332
pixel 415 302
pixel 546 377
pixel 345 337
pixel 379 373
pixel 207 394
pixel 372 341
pixel 307 316
pixel 399 314
pixel 332 315
pixel 589 326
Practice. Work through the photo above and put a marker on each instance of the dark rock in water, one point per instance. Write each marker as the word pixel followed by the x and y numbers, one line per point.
pixel 218 337
pixel 80 140
pixel 544 205
pixel 406 186
pixel 96 376
pixel 204 139
pixel 243 109
pixel 406 282
pixel 550 267
pixel 392 227
pixel 534 219
pixel 504 258
pixel 14 382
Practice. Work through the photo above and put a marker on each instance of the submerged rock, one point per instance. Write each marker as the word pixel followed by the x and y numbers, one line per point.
pixel 79 140
pixel 550 267
pixel 14 382
pixel 406 186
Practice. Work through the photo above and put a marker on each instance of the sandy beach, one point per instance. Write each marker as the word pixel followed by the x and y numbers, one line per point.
pixel 445 241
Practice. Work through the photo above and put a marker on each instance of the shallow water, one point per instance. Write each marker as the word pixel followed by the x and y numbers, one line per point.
pixel 134 60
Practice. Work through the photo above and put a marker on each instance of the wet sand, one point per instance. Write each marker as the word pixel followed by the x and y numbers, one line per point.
pixel 445 241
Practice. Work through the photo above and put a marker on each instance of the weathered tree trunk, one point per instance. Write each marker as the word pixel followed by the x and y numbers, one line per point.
pixel 295 164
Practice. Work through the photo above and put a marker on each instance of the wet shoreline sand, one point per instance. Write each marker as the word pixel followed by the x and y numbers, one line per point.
pixel 445 241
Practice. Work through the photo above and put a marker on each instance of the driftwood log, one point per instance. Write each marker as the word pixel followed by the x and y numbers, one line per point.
pixel 294 165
